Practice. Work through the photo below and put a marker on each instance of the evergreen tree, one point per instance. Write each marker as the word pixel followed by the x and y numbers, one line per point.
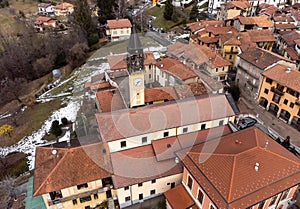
pixel 106 10
pixel 194 12
pixel 83 17
pixel 169 8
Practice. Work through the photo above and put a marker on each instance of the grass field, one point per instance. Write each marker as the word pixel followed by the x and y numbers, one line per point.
pixel 36 114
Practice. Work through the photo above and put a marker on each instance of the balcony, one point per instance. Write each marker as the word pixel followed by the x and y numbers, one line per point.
pixel 277 91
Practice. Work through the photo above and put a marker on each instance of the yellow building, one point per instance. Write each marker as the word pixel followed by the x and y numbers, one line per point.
pixel 63 9
pixel 229 44
pixel 279 93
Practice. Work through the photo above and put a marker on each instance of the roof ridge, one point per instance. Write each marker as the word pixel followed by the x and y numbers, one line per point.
pixel 217 154
pixel 231 180
pixel 278 155
pixel 51 172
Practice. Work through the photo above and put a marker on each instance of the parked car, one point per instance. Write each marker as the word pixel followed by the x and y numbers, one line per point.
pixel 247 122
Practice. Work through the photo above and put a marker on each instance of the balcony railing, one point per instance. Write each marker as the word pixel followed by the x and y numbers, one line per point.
pixel 83 194
pixel 277 91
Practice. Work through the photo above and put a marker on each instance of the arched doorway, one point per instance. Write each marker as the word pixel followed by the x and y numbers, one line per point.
pixel 285 115
pixel 263 102
pixel 273 109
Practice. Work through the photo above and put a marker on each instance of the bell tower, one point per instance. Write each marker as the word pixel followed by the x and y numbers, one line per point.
pixel 135 67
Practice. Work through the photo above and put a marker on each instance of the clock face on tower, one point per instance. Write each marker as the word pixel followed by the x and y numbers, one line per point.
pixel 137 82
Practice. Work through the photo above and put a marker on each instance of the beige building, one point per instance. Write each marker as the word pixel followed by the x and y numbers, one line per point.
pixel 118 29
pixel 63 9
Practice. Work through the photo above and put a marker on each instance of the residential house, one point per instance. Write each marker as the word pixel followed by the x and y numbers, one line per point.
pixel 73 176
pixel 63 9
pixel 267 9
pixel 232 9
pixel 264 39
pixel 118 29
pixel 286 45
pixel 201 58
pixel 249 23
pixel 279 93
pixel 252 63
pixel 196 27
pixel 236 171
pixel 45 9
pixel 171 72
pixel 42 23
pixel 229 44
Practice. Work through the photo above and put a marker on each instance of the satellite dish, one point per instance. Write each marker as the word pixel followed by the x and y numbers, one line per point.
pixel 54 152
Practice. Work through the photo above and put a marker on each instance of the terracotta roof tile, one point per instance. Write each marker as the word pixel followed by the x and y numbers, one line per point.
pixel 280 26
pixel 146 166
pixel 220 30
pixel 110 100
pixel 260 21
pixel 118 23
pixel 69 167
pixel 280 74
pixel 283 18
pixel 185 200
pixel 261 35
pixel 290 36
pixel 63 6
pixel 243 5
pixel 225 168
pixel 160 94
pixel 176 68
pixel 103 85
pixel 292 53
pixel 165 149
pixel 230 39
pixel 126 123
pixel 261 58
pixel 208 40
pixel 190 90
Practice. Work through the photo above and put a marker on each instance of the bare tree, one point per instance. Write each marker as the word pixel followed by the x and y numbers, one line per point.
pixel 7 191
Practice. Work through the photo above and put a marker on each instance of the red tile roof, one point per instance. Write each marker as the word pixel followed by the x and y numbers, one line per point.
pixel 292 53
pixel 208 40
pixel 261 35
pixel 185 200
pixel 230 39
pixel 127 123
pixel 190 90
pixel 69 167
pixel 225 168
pixel 164 149
pixel 290 36
pixel 145 168
pixel 63 6
pixel 176 68
pixel 284 76
pixel 110 100
pixel 243 5
pixel 118 23
pixel 260 21
pixel 282 26
pixel 160 94
pixel 261 58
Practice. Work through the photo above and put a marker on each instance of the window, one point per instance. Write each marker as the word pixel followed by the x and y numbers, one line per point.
pixel 85 199
pixel 152 192
pixel 190 182
pixel 217 70
pixel 166 133
pixel 172 185
pixel 87 207
pixel 144 139
pixel 273 200
pixel 221 123
pixel 153 181
pixel 292 105
pixel 150 76
pixel 200 196
pixel 269 81
pixel 127 198
pixel 115 32
pixel 74 202
pixel 126 188
pixel 266 91
pixel 122 32
pixel 285 101
pixel 127 31
pixel 223 68
pixel 95 196
pixel 230 56
pixel 185 130
pixel 140 184
pixel 141 196
pixel 292 92
pixel 123 144
pixel 285 194
pixel 80 186
pixel 203 126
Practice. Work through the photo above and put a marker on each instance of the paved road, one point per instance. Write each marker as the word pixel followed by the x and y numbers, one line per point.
pixel 270 120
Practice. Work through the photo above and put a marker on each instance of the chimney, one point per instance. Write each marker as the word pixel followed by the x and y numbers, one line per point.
pixel 256 167
pixel 288 70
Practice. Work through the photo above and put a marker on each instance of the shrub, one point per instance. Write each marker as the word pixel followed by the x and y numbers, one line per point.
pixel 93 39
pixel 55 128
